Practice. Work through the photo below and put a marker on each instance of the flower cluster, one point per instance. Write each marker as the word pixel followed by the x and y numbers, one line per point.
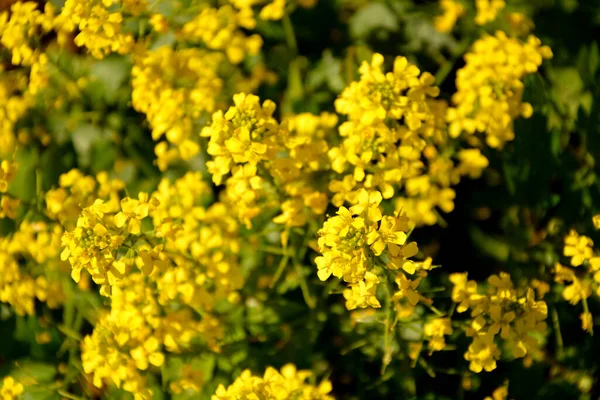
pixel 40 277
pixel 220 29
pixel 396 142
pixel 360 241
pixel 99 24
pixel 490 87
pixel 167 308
pixel 581 281
pixel 102 232
pixel 174 88
pixel 8 204
pixel 10 388
pixel 503 311
pixel 173 271
pixel 487 10
pixel 290 383
pixel 452 11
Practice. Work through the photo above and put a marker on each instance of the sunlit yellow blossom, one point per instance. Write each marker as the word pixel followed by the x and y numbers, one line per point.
pixel 579 248
pixel 174 88
pixel 285 384
pixel 505 312
pixel 100 26
pixel 490 87
pixel 500 393
pixel 452 11
pixel 487 10
pixel 219 29
pixel 11 389
pixel 587 321
pixel 435 330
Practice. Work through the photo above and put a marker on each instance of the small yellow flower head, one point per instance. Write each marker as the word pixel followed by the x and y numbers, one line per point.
pixel 9 207
pixel 11 389
pixel 487 10
pixel 174 88
pixel 500 393
pixel 246 133
pixel 273 11
pixel 482 353
pixel 435 330
pixel 363 293
pixel 490 87
pixel 398 94
pixel 579 248
pixel 587 321
pixel 520 23
pixel 100 27
pixel 219 29
pixel 596 221
pixel 22 281
pixel 20 29
pixel 159 23
pixel 472 162
pixel 289 383
pixel 577 289
pixel 505 312
pixel 452 11
pixel 93 246
pixel 353 242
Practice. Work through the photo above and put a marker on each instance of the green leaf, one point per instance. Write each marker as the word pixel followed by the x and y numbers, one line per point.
pixel 84 137
pixel 112 73
pixel 371 18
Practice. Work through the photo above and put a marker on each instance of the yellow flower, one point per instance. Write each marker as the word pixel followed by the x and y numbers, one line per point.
pixel 579 248
pixel 482 353
pixel 363 293
pixel 435 330
pixel 159 23
pixel 587 321
pixel 8 169
pixel 11 389
pixel 596 221
pixel 490 86
pixel 174 88
pixel 100 30
pixel 273 11
pixel 487 10
pixel 500 393
pixel 219 29
pixel 453 10
pixel 289 383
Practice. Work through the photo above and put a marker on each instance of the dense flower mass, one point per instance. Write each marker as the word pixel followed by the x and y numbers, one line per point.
pixel 490 87
pixel 223 199
pixel 289 383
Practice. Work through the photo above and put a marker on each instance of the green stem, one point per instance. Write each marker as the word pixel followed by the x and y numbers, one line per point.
pixel 557 333
pixel 304 286
pixel 587 310
pixel 282 264
pixel 445 69
pixel 290 36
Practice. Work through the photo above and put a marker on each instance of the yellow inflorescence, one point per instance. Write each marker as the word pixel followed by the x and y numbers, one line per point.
pixel 452 11
pixel 11 389
pixel 490 87
pixel 244 184
pixel 503 311
pixel 353 244
pixel 289 383
pixel 579 283
pixel 487 10
pixel 175 88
